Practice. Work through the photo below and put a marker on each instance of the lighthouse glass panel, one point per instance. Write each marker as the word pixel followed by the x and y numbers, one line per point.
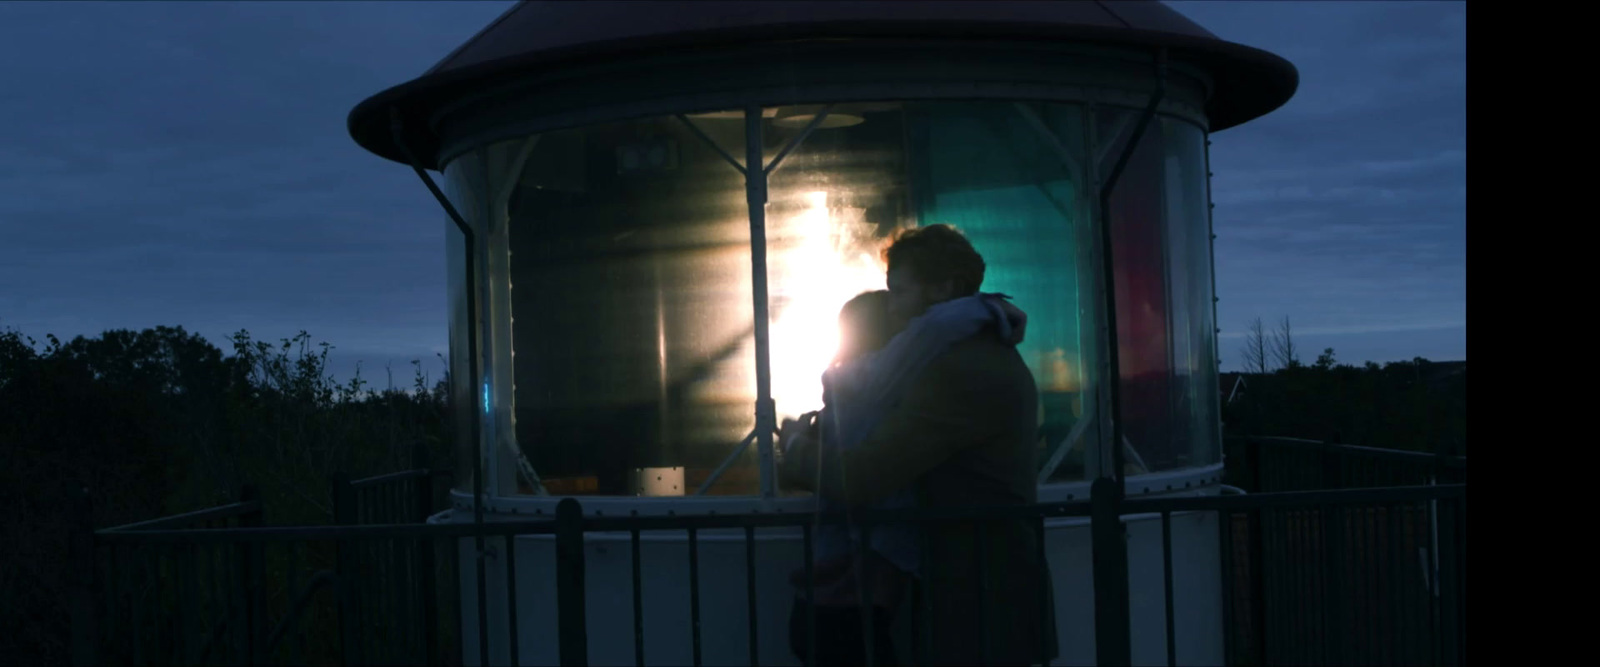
pixel 618 300
pixel 1165 325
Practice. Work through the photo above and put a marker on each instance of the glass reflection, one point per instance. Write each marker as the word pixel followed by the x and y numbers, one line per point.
pixel 618 298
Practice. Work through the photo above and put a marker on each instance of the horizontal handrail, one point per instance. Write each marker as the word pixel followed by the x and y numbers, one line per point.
pixel 1397 494
pixel 421 473
pixel 211 513
pixel 1357 450
pixel 790 520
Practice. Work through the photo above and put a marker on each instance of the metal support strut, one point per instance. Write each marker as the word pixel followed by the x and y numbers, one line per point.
pixel 397 127
pixel 1113 640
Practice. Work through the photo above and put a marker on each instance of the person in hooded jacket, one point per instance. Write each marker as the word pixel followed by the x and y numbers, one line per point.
pixel 945 415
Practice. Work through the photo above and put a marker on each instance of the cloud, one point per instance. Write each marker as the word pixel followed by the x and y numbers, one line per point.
pixel 187 163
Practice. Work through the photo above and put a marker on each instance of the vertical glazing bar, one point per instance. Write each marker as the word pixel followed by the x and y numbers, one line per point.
pixel 1166 578
pixel 750 591
pixel 694 592
pixel 810 599
pixel 638 603
pixel 512 630
pixel 982 563
pixel 755 188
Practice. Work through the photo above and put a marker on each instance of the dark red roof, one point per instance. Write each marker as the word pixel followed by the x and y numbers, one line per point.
pixel 537 36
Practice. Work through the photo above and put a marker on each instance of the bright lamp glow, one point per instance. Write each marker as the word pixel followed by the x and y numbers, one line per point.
pixel 825 259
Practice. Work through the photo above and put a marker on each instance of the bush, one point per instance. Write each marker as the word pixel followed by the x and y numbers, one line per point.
pixel 159 422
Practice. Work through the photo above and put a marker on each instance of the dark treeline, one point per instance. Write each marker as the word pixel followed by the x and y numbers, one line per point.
pixel 161 421
pixel 1415 405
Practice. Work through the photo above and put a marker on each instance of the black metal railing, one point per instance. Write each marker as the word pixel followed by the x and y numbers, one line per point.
pixel 1341 576
pixel 1261 464
pixel 153 602
pixel 389 601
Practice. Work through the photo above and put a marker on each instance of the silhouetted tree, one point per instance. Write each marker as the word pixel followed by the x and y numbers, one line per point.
pixel 1283 348
pixel 1254 352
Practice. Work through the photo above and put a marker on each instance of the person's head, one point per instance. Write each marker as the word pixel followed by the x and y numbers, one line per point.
pixel 864 325
pixel 929 265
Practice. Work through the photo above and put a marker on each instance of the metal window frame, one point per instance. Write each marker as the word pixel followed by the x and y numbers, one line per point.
pixel 466 134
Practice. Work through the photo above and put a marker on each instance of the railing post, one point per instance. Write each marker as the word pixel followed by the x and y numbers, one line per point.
pixel 570 603
pixel 1257 547
pixel 81 601
pixel 250 563
pixel 427 591
pixel 344 514
pixel 1113 640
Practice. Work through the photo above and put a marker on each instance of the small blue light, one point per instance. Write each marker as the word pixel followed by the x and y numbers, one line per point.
pixel 486 398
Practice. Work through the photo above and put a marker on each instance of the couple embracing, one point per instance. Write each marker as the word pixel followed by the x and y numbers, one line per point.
pixel 927 405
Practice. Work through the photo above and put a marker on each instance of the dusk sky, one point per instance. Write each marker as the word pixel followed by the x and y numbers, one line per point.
pixel 187 164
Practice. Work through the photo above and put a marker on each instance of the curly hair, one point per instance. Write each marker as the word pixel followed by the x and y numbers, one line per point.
pixel 937 253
